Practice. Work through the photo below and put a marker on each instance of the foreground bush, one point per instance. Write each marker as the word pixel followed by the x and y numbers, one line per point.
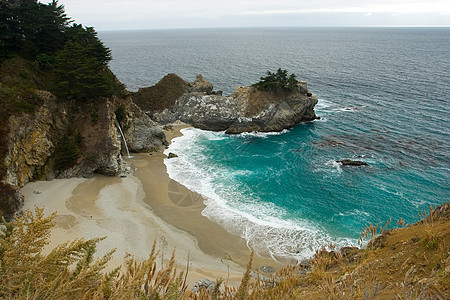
pixel 405 263
pixel 70 271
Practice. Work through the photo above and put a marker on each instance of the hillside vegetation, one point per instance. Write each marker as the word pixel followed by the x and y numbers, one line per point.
pixel 41 49
pixel 162 95
pixel 407 263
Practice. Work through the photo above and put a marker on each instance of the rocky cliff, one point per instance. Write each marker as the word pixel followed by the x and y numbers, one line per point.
pixel 63 139
pixel 142 133
pixel 247 109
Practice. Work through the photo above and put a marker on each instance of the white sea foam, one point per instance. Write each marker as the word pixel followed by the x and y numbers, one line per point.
pixel 281 239
pixel 322 109
pixel 322 119
pixel 263 134
pixel 346 109
pixel 332 166
pixel 353 212
pixel 266 228
pixel 323 105
pixel 389 190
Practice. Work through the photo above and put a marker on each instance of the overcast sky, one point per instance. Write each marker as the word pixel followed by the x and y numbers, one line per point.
pixel 150 14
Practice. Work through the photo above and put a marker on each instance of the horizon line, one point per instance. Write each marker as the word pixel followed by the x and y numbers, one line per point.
pixel 300 26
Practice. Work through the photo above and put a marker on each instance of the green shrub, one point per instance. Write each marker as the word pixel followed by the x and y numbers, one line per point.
pixel 277 82
pixel 45 61
pixel 121 114
pixel 23 106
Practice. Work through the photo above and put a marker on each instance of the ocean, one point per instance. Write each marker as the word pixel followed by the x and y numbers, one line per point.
pixel 384 97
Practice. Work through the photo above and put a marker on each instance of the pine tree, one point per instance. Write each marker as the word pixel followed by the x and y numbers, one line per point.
pixel 277 82
pixel 52 22
pixel 81 67
pixel 9 33
pixel 30 28
pixel 79 76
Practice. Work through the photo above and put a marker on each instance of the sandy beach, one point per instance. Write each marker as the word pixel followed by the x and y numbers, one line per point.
pixel 135 211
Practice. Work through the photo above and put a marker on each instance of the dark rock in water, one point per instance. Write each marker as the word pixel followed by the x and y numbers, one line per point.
pixel 172 155
pixel 268 269
pixel 349 162
pixel 203 284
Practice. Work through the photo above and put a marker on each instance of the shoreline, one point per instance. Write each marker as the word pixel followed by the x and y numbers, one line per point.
pixel 135 211
pixel 184 207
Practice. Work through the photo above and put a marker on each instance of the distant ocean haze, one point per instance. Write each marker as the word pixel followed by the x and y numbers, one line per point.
pixel 383 99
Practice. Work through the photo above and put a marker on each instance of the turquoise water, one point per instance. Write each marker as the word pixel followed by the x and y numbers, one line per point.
pixel 383 99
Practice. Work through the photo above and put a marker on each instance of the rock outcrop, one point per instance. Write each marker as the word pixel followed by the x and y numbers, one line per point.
pixel 247 109
pixel 141 132
pixel 200 85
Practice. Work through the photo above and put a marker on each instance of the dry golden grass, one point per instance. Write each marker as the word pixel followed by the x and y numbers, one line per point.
pixel 70 271
pixel 405 263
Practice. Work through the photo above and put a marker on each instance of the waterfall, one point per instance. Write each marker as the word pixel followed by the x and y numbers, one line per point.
pixel 123 137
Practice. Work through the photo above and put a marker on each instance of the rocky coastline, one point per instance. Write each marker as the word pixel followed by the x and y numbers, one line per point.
pixel 64 139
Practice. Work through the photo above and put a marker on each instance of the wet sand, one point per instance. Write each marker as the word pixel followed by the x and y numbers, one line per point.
pixel 135 211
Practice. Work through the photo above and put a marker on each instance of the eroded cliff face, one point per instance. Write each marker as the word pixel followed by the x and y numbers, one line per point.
pixel 70 139
pixel 141 132
pixel 36 141
pixel 101 142
pixel 31 141
pixel 246 110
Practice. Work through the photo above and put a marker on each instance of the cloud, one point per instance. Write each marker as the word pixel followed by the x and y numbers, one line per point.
pixel 140 14
pixel 399 6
